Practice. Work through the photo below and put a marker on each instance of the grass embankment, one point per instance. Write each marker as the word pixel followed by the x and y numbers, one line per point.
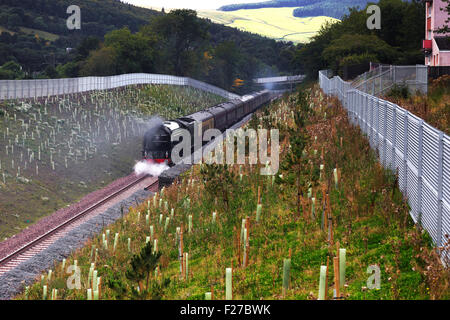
pixel 434 107
pixel 55 150
pixel 368 217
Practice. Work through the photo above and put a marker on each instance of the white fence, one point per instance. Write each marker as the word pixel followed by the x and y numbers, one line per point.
pixel 419 152
pixel 298 78
pixel 16 89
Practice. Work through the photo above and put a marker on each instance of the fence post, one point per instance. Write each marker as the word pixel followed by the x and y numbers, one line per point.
pixel 394 137
pixel 373 124
pixel 419 171
pixel 385 135
pixel 381 80
pixel 405 154
pixel 440 187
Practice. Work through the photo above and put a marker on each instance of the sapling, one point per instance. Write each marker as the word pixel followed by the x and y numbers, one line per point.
pixel 286 275
pixel 44 292
pixel 89 294
pixel 242 229
pixel 116 240
pixel 190 223
pixel 147 239
pixel 27 292
pixel 323 272
pixel 63 266
pixel 258 212
pixel 313 207
pixel 49 277
pixel 214 217
pixel 245 247
pixel 186 264
pixel 342 257
pixel 155 246
pixel 166 225
pixel 147 219
pixel 229 284
pixel 207 295
pixel 129 245
pixel 54 294
pixel 151 232
pixel 160 218
pixel 91 271
pixel 335 173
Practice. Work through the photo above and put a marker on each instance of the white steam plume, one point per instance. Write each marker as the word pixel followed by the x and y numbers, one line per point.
pixel 153 169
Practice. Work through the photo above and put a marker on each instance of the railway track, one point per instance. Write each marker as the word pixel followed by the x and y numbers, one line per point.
pixel 35 246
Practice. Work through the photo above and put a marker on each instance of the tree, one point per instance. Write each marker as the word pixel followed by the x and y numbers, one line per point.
pixel 142 265
pixel 228 56
pixel 295 163
pixel 11 70
pixel 182 32
pixel 134 52
pixel 446 27
pixel 101 62
pixel 357 45
pixel 86 46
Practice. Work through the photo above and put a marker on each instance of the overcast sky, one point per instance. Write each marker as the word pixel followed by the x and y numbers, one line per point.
pixel 191 4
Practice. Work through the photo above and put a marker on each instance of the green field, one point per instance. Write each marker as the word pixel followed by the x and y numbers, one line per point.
pixel 276 23
pixel 41 34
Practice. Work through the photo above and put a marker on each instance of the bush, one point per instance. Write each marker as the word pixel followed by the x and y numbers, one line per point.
pixel 399 92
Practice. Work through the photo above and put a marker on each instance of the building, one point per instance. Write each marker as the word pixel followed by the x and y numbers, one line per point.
pixel 436 45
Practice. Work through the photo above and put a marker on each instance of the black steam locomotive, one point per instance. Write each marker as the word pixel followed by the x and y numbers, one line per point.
pixel 157 146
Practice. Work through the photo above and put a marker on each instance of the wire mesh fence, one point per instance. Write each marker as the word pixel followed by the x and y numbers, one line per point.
pixel 418 152
pixel 384 77
pixel 16 89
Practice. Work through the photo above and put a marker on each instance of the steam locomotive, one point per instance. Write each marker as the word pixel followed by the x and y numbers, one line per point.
pixel 158 145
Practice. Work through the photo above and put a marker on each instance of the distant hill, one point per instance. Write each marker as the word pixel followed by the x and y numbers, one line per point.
pixel 34 34
pixel 276 23
pixel 305 8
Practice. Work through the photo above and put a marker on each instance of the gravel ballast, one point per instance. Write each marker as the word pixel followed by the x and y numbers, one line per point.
pixel 12 282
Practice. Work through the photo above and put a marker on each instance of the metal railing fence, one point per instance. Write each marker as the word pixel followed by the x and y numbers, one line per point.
pixel 406 144
pixel 17 89
pixel 382 78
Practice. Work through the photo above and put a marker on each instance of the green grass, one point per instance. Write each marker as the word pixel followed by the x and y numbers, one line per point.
pixel 369 217
pixel 41 34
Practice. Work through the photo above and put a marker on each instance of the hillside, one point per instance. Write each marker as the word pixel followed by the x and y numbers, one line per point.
pixel 308 8
pixel 76 159
pixel 211 219
pixel 34 34
pixel 276 23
